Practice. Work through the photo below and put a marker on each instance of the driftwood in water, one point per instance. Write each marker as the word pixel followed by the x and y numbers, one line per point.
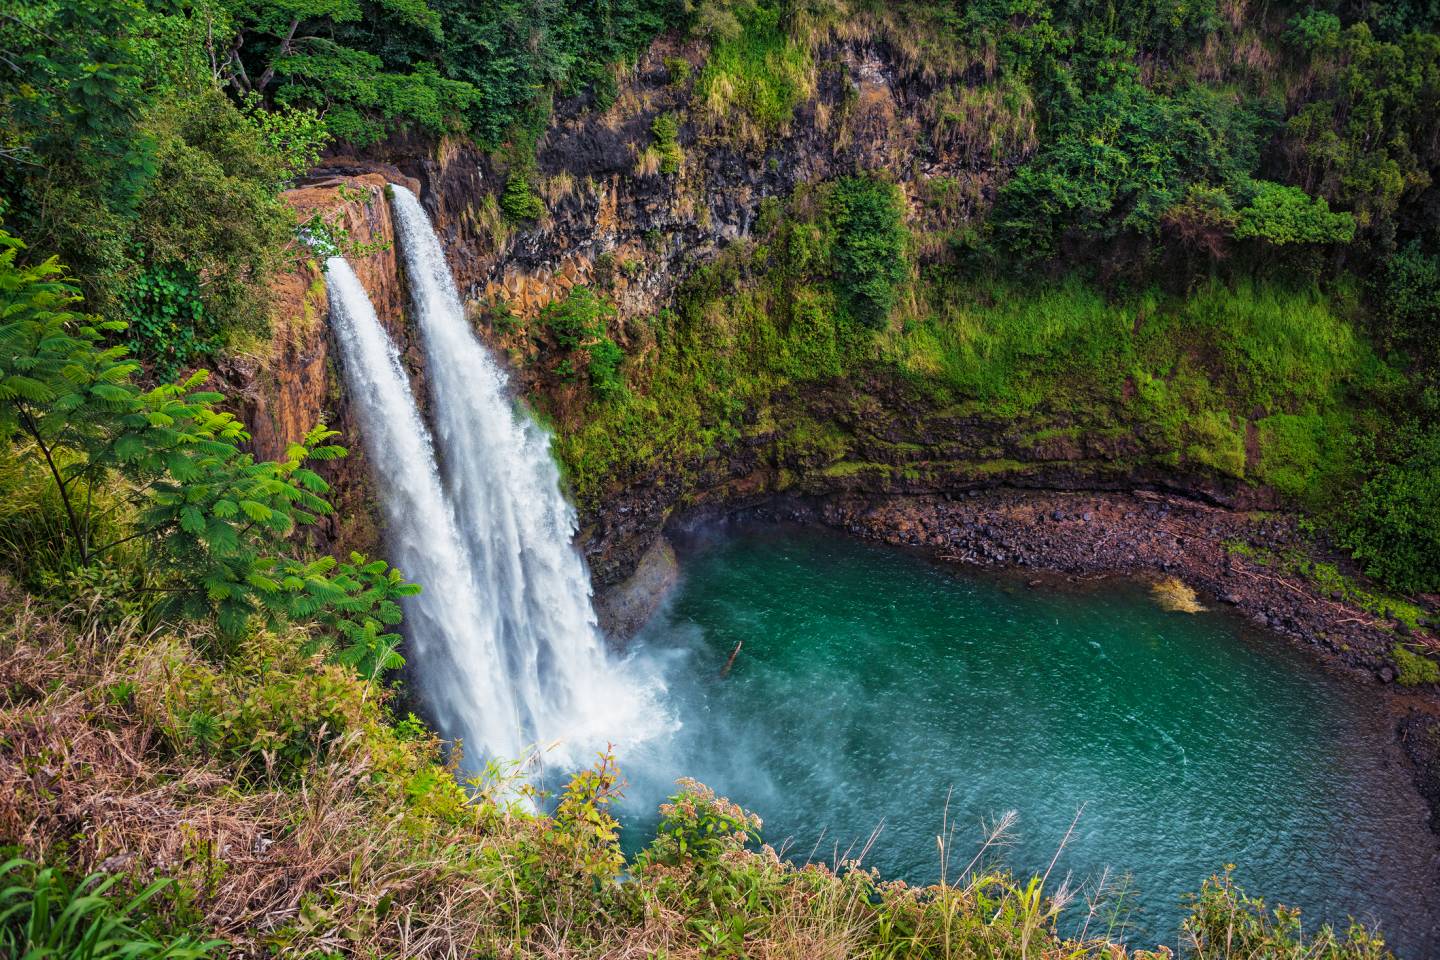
pixel 731 662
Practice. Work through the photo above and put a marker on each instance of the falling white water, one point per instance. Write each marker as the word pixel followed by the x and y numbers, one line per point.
pixel 535 640
pixel 424 539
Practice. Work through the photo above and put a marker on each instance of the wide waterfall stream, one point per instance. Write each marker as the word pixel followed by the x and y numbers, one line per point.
pixel 874 689
pixel 502 638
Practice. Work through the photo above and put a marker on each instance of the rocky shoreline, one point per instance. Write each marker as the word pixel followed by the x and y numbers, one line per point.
pixel 1218 551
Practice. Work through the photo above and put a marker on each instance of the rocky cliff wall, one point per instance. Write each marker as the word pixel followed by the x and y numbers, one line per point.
pixel 295 384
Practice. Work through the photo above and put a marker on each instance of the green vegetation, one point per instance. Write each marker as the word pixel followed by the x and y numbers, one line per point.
pixel 756 74
pixel 1191 376
pixel 42 914
pixel 869 248
pixel 1204 230
pixel 519 200
pixel 1394 525
pixel 667 153
pixel 294 763
pixel 153 487
pixel 1414 668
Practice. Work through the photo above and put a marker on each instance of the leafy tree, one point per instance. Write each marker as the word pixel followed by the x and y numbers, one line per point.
pixel 1372 134
pixel 1124 161
pixel 128 161
pixel 213 520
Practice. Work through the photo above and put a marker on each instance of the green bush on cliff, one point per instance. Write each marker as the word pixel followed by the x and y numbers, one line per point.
pixel 867 216
pixel 604 369
pixel 519 201
pixel 122 155
pixel 1393 526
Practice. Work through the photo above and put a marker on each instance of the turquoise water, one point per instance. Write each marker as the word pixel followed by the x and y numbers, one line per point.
pixel 876 689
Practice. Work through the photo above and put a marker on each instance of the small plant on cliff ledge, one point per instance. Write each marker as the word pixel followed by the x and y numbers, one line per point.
pixel 519 201
pixel 666 129
pixel 577 319
pixel 1414 668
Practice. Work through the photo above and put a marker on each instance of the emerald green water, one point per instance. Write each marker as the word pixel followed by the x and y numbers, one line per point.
pixel 873 685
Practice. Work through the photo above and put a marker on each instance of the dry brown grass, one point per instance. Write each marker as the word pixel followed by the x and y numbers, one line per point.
pixel 91 776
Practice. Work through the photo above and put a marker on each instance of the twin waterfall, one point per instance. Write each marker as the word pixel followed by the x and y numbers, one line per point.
pixel 503 642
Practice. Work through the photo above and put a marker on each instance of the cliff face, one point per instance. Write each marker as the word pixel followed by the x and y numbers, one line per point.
pixel 602 196
pixel 296 384
pixel 607 203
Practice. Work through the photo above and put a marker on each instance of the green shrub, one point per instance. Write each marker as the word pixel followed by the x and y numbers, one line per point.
pixel 867 217
pixel 1414 668
pixel 168 322
pixel 1285 215
pixel 698 828
pixel 1408 290
pixel 666 130
pixel 1392 527
pixel 577 319
pixel 519 201
pixel 1225 922
pixel 678 69
pixel 604 368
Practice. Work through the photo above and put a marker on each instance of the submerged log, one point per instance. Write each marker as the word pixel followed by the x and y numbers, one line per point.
pixel 731 662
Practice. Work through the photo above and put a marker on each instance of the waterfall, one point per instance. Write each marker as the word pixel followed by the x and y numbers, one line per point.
pixel 530 648
pixel 423 536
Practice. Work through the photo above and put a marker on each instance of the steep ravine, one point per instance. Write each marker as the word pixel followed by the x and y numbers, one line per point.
pixel 1058 492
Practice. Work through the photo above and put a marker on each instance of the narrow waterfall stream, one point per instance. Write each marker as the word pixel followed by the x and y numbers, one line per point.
pixel 504 641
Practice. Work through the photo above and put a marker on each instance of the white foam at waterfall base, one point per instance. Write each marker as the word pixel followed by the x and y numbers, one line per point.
pixel 538 636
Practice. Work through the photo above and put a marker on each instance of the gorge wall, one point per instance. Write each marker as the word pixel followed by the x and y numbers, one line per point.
pixel 607 204
pixel 292 387
pixel 874 453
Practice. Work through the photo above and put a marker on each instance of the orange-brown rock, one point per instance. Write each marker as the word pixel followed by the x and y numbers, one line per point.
pixel 293 384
